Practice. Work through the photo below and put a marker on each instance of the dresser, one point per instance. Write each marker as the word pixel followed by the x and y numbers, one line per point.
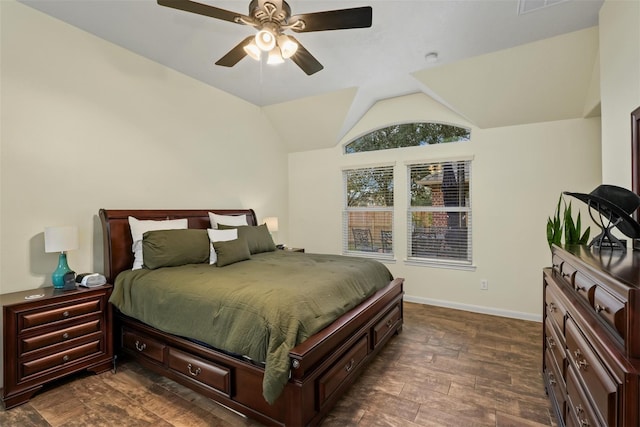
pixel 48 334
pixel 591 336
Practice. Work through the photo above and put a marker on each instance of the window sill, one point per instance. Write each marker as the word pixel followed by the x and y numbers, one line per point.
pixel 388 258
pixel 451 265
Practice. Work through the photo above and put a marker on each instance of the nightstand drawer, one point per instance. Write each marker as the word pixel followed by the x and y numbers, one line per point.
pixel 201 371
pixel 59 359
pixel 63 312
pixel 63 335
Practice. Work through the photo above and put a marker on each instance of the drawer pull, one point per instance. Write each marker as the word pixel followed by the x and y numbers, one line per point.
pixel 580 411
pixel 194 373
pixel 580 363
pixel 552 307
pixel 140 347
pixel 552 379
pixel 350 365
pixel 65 314
pixel 552 342
pixel 65 358
pixel 65 336
pixel 389 323
pixel 600 308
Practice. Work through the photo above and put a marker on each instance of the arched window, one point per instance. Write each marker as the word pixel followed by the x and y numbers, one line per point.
pixel 407 135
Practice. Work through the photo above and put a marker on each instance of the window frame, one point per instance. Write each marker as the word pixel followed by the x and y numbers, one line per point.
pixel 451 263
pixel 347 210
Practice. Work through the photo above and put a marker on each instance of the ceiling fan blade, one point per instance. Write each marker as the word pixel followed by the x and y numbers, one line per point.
pixel 342 19
pixel 201 9
pixel 234 55
pixel 305 60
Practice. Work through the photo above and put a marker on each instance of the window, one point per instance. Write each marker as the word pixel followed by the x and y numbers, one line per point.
pixel 407 135
pixel 439 214
pixel 368 211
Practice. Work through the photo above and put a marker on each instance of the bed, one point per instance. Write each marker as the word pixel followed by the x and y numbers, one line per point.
pixel 320 368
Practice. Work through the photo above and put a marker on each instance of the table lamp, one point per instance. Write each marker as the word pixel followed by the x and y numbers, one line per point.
pixel 60 239
pixel 272 225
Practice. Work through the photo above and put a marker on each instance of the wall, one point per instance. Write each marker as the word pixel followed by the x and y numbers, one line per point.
pixel 619 86
pixel 518 173
pixel 88 125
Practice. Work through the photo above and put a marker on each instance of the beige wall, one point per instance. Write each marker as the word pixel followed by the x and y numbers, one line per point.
pixel 88 125
pixel 619 86
pixel 518 173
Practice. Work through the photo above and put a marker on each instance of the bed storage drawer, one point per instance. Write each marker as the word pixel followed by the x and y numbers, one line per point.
pixel 142 344
pixel 386 326
pixel 344 368
pixel 200 370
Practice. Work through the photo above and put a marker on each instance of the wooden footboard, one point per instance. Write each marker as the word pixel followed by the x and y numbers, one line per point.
pixel 322 367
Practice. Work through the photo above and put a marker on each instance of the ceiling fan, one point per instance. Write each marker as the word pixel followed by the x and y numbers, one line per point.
pixel 271 18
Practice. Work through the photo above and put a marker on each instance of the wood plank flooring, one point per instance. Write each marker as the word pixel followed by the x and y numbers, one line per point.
pixel 447 368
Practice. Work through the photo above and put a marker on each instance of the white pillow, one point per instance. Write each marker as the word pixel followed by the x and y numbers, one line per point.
pixel 219 236
pixel 139 227
pixel 234 220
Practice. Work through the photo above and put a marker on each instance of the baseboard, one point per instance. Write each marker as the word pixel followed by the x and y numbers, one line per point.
pixel 475 308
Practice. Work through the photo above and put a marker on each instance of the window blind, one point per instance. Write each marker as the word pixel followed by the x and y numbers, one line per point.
pixel 439 212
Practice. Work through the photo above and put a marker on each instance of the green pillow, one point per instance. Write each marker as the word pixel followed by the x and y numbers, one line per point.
pixel 257 236
pixel 231 251
pixel 170 248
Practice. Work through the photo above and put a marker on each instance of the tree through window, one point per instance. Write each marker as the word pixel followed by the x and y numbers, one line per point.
pixel 407 135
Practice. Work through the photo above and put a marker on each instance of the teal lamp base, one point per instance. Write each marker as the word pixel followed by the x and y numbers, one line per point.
pixel 58 275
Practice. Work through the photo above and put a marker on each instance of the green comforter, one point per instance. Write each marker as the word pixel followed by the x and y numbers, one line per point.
pixel 260 308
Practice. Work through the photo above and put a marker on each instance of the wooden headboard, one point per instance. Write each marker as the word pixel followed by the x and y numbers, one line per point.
pixel 116 234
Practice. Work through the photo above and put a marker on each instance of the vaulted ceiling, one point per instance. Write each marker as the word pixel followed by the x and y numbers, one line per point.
pixel 500 62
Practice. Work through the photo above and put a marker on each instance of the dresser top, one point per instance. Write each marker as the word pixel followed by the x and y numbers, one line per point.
pixel 622 266
pixel 40 294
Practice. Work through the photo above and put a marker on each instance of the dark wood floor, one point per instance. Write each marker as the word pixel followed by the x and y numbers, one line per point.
pixel 447 368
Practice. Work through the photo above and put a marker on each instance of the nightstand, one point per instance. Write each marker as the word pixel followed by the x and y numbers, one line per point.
pixel 49 334
pixel 293 249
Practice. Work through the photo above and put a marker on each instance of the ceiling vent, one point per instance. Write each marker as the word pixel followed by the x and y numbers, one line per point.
pixel 526 6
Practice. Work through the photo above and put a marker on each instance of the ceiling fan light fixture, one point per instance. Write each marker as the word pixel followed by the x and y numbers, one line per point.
pixel 275 57
pixel 265 40
pixel 287 46
pixel 252 50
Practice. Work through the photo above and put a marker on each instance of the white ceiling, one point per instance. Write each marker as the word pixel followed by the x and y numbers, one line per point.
pixel 383 61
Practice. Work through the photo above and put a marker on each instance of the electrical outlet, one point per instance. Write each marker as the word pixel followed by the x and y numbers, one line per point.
pixel 484 284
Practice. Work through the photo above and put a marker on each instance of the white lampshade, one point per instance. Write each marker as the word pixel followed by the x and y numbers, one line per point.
pixel 287 46
pixel 272 223
pixel 253 50
pixel 61 239
pixel 265 40
pixel 275 57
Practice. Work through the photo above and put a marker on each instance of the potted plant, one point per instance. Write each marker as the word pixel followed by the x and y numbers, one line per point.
pixel 564 222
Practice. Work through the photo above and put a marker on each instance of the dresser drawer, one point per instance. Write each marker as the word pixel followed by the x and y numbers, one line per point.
pixel 58 359
pixel 555 346
pixel 200 370
pixel 584 287
pixel 555 380
pixel 611 309
pixel 342 370
pixel 603 390
pixel 579 410
pixel 139 343
pixel 554 308
pixel 386 325
pixel 58 313
pixel 29 344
